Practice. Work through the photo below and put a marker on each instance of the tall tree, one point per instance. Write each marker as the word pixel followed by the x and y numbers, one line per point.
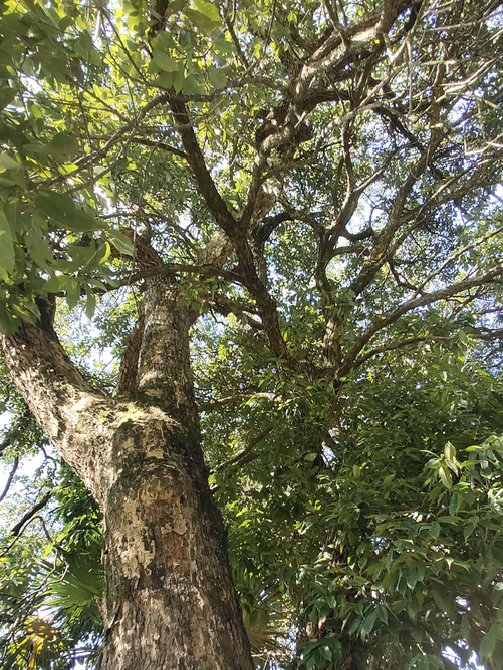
pixel 324 177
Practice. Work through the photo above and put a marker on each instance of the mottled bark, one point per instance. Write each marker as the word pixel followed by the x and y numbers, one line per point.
pixel 169 601
pixel 128 373
pixel 73 415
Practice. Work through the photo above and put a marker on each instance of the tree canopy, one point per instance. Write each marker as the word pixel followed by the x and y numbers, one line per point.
pixel 320 182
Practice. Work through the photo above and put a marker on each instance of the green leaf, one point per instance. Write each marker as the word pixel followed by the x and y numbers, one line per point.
pixel 488 644
pixel 445 475
pixel 64 145
pixel 54 284
pixel 38 248
pixel 435 530
pixel 36 149
pixel 175 6
pixel 191 86
pixel 81 255
pixel 8 163
pixel 368 622
pixel 8 322
pixel 165 62
pixel 217 77
pixel 85 48
pixel 7 255
pixel 7 95
pixel 178 80
pixel 387 481
pixel 470 527
pixel 72 294
pixel 463 338
pixel 205 24
pixel 163 41
pixel 90 303
pixel 165 80
pixel 208 9
pixel 450 451
pixel 90 256
pixel 223 46
pixel 411 577
pixel 61 208
pixel 122 243
pixel 497 592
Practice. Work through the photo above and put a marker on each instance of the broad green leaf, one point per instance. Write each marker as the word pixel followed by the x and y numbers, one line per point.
pixel 8 163
pixel 7 95
pixel 54 284
pixel 470 527
pixel 445 475
pixel 217 77
pixel 7 256
pixel 36 149
pixel 488 644
pixel 64 145
pixel 82 255
pixel 388 480
pixel 61 208
pixel 223 46
pixel 163 41
pixel 166 62
pixel 85 48
pixel 208 9
pixel 122 243
pixel 82 221
pixel 38 248
pixel 178 80
pixel 191 86
pixel 411 576
pixel 463 338
pixel 205 24
pixel 175 6
pixel 165 80
pixel 100 256
pixel 72 293
pixel 368 622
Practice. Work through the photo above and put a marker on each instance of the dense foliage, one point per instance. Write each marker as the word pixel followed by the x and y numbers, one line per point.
pixel 321 178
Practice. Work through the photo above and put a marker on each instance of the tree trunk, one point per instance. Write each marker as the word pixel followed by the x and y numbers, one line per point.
pixel 169 601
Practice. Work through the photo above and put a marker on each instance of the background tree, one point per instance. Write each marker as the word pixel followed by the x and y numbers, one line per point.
pixel 306 195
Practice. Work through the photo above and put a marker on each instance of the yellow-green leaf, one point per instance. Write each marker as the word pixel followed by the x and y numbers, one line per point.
pixel 208 9
pixel 450 451
pixel 445 475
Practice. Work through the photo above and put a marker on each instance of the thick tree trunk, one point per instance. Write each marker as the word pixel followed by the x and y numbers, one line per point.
pixel 169 601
